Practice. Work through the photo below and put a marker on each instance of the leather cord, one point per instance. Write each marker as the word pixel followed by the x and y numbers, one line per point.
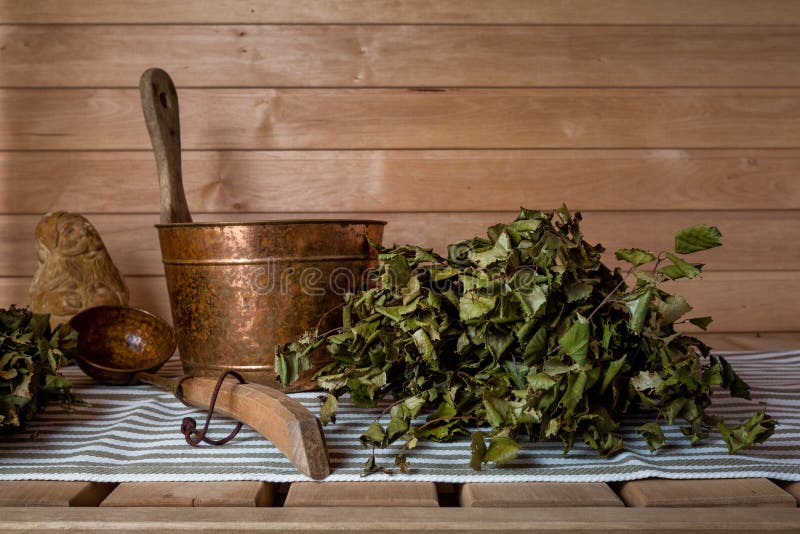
pixel 189 425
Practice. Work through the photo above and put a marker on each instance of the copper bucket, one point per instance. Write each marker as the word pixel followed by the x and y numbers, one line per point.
pixel 237 290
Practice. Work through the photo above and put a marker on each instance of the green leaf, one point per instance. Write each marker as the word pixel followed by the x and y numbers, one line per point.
pixel 370 466
pixel 701 322
pixel 502 450
pixel 635 256
pixel 396 313
pixel 612 371
pixel 555 367
pixel 696 238
pixel 424 346
pixel 496 411
pixel 532 299
pixel 731 381
pixel 639 306
pixel 647 380
pixel 498 343
pixel 755 430
pixel 478 449
pixel 445 411
pixel 578 291
pixel 374 435
pixel 575 340
pixel 473 306
pixel 540 381
pixel 537 345
pixel 672 308
pixel 680 268
pixel 498 251
pixel 327 413
pixel 653 435
pixel 401 463
pixel 396 428
pixel 517 373
pixel 412 406
pixel 398 271
pixel 576 384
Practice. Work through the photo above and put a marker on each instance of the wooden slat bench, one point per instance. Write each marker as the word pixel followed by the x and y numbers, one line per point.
pixel 754 504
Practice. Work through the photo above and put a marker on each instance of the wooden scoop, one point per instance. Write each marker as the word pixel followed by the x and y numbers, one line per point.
pixel 121 345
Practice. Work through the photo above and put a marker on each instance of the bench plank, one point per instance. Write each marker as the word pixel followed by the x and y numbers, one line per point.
pixel 537 494
pixel 705 493
pixel 195 494
pixel 392 519
pixel 421 494
pixel 53 493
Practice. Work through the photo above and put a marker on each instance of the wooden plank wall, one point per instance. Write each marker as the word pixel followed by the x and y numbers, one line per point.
pixel 440 117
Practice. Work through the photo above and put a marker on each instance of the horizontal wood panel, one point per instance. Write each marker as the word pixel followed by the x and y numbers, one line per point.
pixel 753 240
pixel 743 301
pixel 396 118
pixel 377 519
pixel 770 341
pixel 417 11
pixel 482 180
pixel 374 56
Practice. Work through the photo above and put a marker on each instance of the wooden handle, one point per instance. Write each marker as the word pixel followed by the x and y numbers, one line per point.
pixel 290 426
pixel 160 106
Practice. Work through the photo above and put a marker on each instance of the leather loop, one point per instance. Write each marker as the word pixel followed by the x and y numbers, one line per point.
pixel 189 425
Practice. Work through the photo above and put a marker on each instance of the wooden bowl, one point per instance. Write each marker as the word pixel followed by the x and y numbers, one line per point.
pixel 116 342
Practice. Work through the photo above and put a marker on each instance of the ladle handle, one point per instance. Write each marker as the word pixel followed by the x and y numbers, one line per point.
pixel 160 106
pixel 289 425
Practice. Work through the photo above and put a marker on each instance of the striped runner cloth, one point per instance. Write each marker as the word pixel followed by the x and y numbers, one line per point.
pixel 130 434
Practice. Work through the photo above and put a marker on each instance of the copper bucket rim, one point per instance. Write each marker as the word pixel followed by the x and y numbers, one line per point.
pixel 274 222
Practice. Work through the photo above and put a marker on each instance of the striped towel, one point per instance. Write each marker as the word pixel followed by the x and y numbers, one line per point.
pixel 130 434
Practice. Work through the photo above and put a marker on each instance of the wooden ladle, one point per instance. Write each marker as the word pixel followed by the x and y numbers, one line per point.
pixel 121 345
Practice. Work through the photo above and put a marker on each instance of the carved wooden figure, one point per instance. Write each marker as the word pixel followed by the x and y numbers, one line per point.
pixel 75 271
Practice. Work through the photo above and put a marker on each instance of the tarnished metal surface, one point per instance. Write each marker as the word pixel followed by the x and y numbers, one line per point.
pixel 239 289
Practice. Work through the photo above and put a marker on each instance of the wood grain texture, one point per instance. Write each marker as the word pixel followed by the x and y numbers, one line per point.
pixel 413 56
pixel 753 240
pixel 111 119
pixel 772 341
pixel 750 492
pixel 793 489
pixel 194 494
pixel 408 11
pixel 739 301
pixel 537 495
pixel 383 180
pixel 411 519
pixel 52 493
pixel 162 116
pixel 282 420
pixel 310 494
